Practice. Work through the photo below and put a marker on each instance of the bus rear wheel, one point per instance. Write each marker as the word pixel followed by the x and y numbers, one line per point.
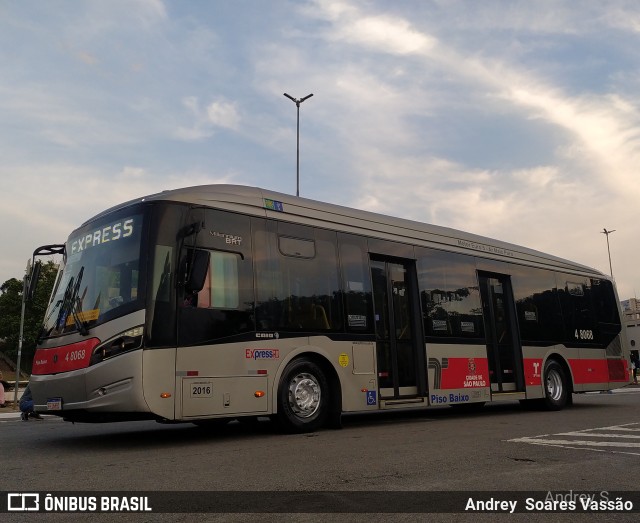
pixel 556 390
pixel 303 397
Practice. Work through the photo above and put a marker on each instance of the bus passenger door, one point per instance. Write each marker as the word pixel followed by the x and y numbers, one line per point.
pixel 504 349
pixel 399 344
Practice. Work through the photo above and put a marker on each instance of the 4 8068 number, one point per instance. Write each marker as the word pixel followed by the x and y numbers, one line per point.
pixel 76 355
pixel 584 334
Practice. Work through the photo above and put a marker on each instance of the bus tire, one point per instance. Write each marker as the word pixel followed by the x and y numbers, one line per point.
pixel 556 389
pixel 303 397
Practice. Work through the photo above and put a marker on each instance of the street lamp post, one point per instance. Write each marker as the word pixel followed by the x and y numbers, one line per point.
pixel 298 101
pixel 607 233
pixel 25 286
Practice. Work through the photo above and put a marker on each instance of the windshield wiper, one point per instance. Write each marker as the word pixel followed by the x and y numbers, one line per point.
pixel 82 326
pixel 64 303
pixel 44 332
pixel 75 309
pixel 71 306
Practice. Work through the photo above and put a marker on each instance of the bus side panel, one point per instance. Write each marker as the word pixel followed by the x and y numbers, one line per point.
pixel 590 371
pixel 458 374
pixel 159 378
pixel 354 364
pixel 358 379
pixel 229 396
pixel 115 385
pixel 70 386
pixel 533 365
pixel 222 380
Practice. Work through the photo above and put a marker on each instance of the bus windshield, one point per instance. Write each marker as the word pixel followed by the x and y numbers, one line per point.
pixel 100 277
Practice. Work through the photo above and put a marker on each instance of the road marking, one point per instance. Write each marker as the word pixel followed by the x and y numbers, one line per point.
pixel 597 435
pixel 619 436
pixel 578 442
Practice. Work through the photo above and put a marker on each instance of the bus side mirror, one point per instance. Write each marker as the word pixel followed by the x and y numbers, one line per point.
pixel 33 278
pixel 197 268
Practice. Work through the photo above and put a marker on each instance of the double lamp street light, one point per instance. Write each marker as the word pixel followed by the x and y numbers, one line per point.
pixel 298 101
pixel 607 233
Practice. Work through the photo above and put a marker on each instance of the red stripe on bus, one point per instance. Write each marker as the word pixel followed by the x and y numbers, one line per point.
pixel 619 371
pixel 532 371
pixel 465 373
pixel 589 371
pixel 64 359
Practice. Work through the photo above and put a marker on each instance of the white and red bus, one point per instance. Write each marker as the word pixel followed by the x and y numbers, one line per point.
pixel 219 302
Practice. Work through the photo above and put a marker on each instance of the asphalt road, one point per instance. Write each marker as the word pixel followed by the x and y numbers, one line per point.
pixel 593 446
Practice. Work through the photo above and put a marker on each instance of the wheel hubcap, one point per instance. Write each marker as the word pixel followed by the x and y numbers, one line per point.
pixel 304 395
pixel 554 385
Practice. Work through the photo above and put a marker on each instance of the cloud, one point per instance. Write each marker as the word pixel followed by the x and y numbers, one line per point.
pixel 224 114
pixel 219 113
pixel 604 126
pixel 87 58
pixel 384 33
pixel 606 129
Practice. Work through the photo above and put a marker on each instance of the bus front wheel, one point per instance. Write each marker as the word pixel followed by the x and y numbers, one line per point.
pixel 303 397
pixel 556 390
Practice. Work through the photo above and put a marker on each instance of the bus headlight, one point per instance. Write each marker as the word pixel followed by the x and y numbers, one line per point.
pixel 124 342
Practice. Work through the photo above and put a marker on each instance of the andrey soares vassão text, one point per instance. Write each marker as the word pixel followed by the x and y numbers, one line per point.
pixel 568 502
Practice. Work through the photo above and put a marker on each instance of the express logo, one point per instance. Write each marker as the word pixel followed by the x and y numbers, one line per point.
pixel 109 233
pixel 262 354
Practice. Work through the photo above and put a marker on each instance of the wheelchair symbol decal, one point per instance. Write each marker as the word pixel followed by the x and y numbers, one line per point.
pixel 372 397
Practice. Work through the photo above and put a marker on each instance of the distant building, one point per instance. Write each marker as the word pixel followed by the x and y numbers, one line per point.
pixel 631 311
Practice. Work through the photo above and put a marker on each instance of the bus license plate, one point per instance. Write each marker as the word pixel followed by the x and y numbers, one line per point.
pixel 54 404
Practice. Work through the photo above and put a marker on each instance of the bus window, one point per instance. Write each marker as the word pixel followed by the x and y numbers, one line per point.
pixel 607 316
pixel 577 309
pixel 297 285
pixel 296 247
pixel 604 301
pixel 356 283
pixel 223 307
pixel 161 320
pixel 449 295
pixel 538 308
pixel 221 287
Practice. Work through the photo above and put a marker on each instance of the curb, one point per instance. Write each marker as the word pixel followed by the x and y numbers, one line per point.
pixel 9 413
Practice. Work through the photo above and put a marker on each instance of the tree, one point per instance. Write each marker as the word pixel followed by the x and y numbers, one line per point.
pixel 11 310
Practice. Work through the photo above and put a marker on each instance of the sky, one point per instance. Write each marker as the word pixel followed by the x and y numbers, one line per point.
pixel 516 120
